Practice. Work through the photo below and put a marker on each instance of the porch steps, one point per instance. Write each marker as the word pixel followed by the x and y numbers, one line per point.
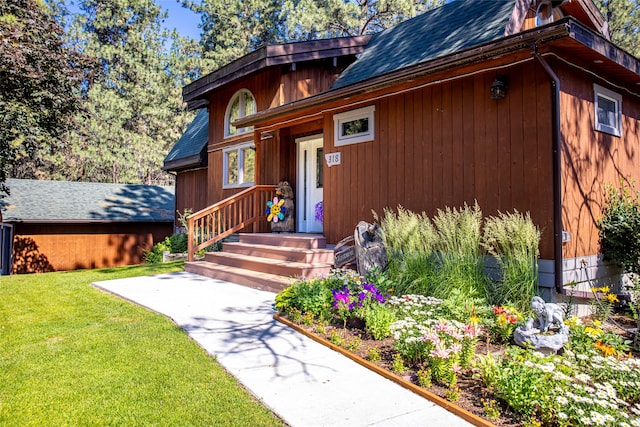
pixel 267 261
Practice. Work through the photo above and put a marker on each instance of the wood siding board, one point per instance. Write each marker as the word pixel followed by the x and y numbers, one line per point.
pixel 530 190
pixel 494 153
pixel 515 94
pixel 469 168
pixel 448 170
pixel 479 132
pixel 437 162
pixel 427 159
pixel 413 173
pixel 399 169
pixel 545 160
pixel 457 143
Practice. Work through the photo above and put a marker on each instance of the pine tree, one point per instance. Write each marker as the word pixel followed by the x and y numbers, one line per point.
pixel 135 110
pixel 623 20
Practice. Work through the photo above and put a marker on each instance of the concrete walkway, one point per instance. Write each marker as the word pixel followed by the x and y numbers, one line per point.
pixel 303 382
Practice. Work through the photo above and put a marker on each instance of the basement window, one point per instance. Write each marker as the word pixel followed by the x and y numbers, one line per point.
pixel 239 166
pixel 608 110
pixel 354 126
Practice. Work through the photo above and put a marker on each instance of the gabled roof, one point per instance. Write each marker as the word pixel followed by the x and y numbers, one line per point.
pixel 86 202
pixel 453 27
pixel 190 150
pixel 268 56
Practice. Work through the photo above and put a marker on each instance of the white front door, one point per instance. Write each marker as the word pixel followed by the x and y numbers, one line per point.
pixel 309 185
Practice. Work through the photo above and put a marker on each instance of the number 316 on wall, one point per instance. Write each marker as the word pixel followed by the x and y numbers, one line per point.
pixel 333 158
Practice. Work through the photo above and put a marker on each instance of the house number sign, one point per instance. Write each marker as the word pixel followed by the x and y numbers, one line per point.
pixel 333 158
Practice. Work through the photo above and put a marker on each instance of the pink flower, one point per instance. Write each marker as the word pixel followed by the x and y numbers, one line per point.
pixel 472 331
pixel 440 351
pixel 455 333
pixel 432 336
pixel 455 348
pixel 442 325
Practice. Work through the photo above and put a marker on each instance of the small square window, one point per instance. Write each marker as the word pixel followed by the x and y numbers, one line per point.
pixel 607 110
pixel 354 126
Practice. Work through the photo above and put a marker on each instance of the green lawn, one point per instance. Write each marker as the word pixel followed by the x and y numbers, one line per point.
pixel 71 355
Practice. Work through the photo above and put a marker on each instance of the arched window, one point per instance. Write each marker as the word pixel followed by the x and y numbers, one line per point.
pixel 242 104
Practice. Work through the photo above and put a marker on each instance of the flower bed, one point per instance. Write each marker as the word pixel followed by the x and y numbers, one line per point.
pixel 459 350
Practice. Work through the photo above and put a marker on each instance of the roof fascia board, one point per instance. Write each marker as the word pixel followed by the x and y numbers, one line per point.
pixel 84 221
pixel 495 48
pixel 173 165
pixel 599 44
pixel 272 55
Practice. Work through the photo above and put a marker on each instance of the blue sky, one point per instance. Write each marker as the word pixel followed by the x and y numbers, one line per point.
pixel 181 18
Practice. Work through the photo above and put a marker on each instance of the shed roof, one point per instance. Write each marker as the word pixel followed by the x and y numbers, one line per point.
pixel 189 150
pixel 82 202
pixel 453 27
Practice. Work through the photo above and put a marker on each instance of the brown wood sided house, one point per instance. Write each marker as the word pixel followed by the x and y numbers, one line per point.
pixel 518 104
pixel 60 225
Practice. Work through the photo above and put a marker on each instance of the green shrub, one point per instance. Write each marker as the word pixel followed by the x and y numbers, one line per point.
pixel 620 227
pixel 459 256
pixel 513 239
pixel 175 244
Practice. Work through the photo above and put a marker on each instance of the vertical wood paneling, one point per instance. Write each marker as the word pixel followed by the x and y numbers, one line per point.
pixel 448 172
pixel 444 145
pixel 457 144
pixel 468 123
pixel 191 190
pixel 591 159
pixel 59 247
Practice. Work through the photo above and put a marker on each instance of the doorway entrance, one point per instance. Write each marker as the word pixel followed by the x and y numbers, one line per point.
pixel 310 182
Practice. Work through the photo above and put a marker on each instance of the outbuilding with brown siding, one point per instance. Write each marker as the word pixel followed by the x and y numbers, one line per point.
pixel 61 225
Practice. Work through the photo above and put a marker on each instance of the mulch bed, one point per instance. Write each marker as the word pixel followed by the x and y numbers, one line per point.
pixel 472 390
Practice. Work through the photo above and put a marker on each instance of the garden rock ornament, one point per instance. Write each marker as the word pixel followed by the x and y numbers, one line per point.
pixel 546 333
pixel 280 209
pixel 371 253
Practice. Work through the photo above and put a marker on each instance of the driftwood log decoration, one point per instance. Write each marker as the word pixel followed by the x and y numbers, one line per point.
pixel 344 254
pixel 371 253
pixel 284 192
pixel 365 248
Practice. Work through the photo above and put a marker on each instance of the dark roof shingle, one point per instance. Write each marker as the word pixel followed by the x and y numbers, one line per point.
pixel 451 28
pixel 51 201
pixel 189 147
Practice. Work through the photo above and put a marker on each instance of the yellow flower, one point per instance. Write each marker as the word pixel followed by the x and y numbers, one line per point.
pixel 597 323
pixel 593 332
pixel 474 320
pixel 611 298
pixel 604 289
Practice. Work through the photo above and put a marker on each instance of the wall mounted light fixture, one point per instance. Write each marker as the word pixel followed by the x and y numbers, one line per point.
pixel 498 89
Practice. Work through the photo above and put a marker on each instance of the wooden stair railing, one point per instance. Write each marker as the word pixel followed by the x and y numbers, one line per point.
pixel 228 216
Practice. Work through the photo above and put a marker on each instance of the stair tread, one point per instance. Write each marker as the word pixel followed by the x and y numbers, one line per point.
pixel 279 248
pixel 270 261
pixel 243 271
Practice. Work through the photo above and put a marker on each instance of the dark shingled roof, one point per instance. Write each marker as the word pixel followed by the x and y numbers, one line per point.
pixel 51 201
pixel 451 28
pixel 189 148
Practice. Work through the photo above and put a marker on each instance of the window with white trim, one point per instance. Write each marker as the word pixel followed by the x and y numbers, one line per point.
pixel 608 110
pixel 239 166
pixel 354 126
pixel 242 104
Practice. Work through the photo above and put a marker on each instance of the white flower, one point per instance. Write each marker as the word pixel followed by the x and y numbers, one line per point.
pixel 562 400
pixel 562 416
pixel 580 411
pixel 583 377
pixel 597 418
pixel 547 367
